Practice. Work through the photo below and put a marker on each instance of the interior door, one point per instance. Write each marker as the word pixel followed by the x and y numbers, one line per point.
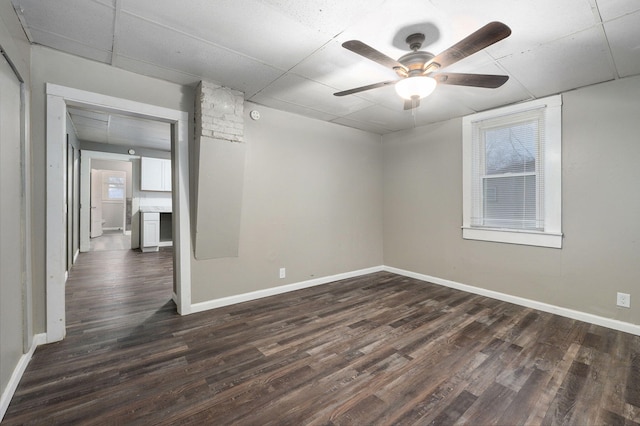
pixel 96 203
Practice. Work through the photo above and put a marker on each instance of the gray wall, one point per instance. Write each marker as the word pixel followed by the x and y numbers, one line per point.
pixel 13 248
pixel 311 203
pixel 422 171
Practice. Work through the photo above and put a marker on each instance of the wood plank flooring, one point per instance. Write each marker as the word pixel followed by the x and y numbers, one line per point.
pixel 375 350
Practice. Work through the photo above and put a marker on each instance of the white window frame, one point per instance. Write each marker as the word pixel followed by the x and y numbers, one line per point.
pixel 106 185
pixel 551 204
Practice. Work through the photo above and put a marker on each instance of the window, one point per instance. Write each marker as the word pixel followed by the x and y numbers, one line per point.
pixel 512 174
pixel 113 188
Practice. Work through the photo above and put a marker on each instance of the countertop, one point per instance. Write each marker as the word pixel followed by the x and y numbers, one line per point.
pixel 155 209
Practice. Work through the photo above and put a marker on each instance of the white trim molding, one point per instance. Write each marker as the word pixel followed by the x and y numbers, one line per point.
pixel 259 294
pixel 528 303
pixel 21 367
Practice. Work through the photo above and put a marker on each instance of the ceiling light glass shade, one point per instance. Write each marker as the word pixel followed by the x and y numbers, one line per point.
pixel 420 86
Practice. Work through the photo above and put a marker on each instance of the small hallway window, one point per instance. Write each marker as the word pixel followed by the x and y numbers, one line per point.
pixel 113 186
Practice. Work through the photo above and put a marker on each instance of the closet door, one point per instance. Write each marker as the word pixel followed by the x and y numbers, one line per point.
pixel 12 244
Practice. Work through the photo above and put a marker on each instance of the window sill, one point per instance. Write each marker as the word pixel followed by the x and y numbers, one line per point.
pixel 511 236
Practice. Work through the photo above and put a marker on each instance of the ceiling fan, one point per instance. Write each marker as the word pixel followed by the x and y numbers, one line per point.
pixel 418 69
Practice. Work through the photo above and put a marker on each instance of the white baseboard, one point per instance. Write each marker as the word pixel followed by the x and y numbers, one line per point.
pixel 5 399
pixel 545 307
pixel 230 300
pixel 529 303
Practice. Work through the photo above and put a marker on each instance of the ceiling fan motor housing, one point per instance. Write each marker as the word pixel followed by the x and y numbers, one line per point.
pixel 414 61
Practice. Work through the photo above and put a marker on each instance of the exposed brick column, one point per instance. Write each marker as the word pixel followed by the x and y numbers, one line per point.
pixel 219 159
pixel 218 112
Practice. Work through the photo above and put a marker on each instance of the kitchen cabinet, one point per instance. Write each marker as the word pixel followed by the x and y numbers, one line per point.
pixel 155 174
pixel 155 229
pixel 150 231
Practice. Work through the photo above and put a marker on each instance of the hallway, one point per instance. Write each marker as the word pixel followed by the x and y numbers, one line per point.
pixel 110 240
pixel 113 298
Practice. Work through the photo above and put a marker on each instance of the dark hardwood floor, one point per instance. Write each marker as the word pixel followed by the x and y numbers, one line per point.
pixel 378 349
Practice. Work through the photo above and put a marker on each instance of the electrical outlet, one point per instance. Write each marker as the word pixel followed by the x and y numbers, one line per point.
pixel 283 272
pixel 624 300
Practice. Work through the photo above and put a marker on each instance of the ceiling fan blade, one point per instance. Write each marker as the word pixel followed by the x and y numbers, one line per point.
pixel 488 81
pixel 484 37
pixel 363 88
pixel 369 52
pixel 412 103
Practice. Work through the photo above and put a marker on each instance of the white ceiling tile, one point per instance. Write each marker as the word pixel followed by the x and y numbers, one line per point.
pixel 574 61
pixel 154 70
pixel 335 66
pixel 92 22
pixel 253 29
pixel 328 17
pixel 145 133
pixel 393 119
pixel 261 99
pixel 72 46
pixel 82 123
pixel 624 39
pixel 439 107
pixel 154 44
pixel 384 28
pixel 480 99
pixel 532 22
pixel 103 127
pixel 611 9
pixel 300 91
pixel 95 115
pixel 367 126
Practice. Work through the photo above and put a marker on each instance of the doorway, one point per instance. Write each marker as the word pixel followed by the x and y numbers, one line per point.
pixel 110 207
pixel 58 99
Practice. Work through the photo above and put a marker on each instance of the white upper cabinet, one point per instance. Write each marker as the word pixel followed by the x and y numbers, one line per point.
pixel 155 174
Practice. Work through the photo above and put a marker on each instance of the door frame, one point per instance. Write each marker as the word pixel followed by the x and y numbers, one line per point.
pixel 93 193
pixel 58 97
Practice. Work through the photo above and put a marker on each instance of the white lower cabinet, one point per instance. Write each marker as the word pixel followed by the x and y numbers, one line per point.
pixel 150 227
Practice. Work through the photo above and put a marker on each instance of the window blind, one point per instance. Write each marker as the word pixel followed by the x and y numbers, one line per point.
pixel 507 172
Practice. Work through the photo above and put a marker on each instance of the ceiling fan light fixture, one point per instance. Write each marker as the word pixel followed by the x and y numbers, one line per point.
pixel 420 86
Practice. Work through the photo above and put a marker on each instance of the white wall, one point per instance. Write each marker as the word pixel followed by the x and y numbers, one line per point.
pixel 601 250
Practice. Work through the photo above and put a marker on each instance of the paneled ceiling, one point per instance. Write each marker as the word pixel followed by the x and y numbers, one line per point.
pixel 106 127
pixel 287 54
